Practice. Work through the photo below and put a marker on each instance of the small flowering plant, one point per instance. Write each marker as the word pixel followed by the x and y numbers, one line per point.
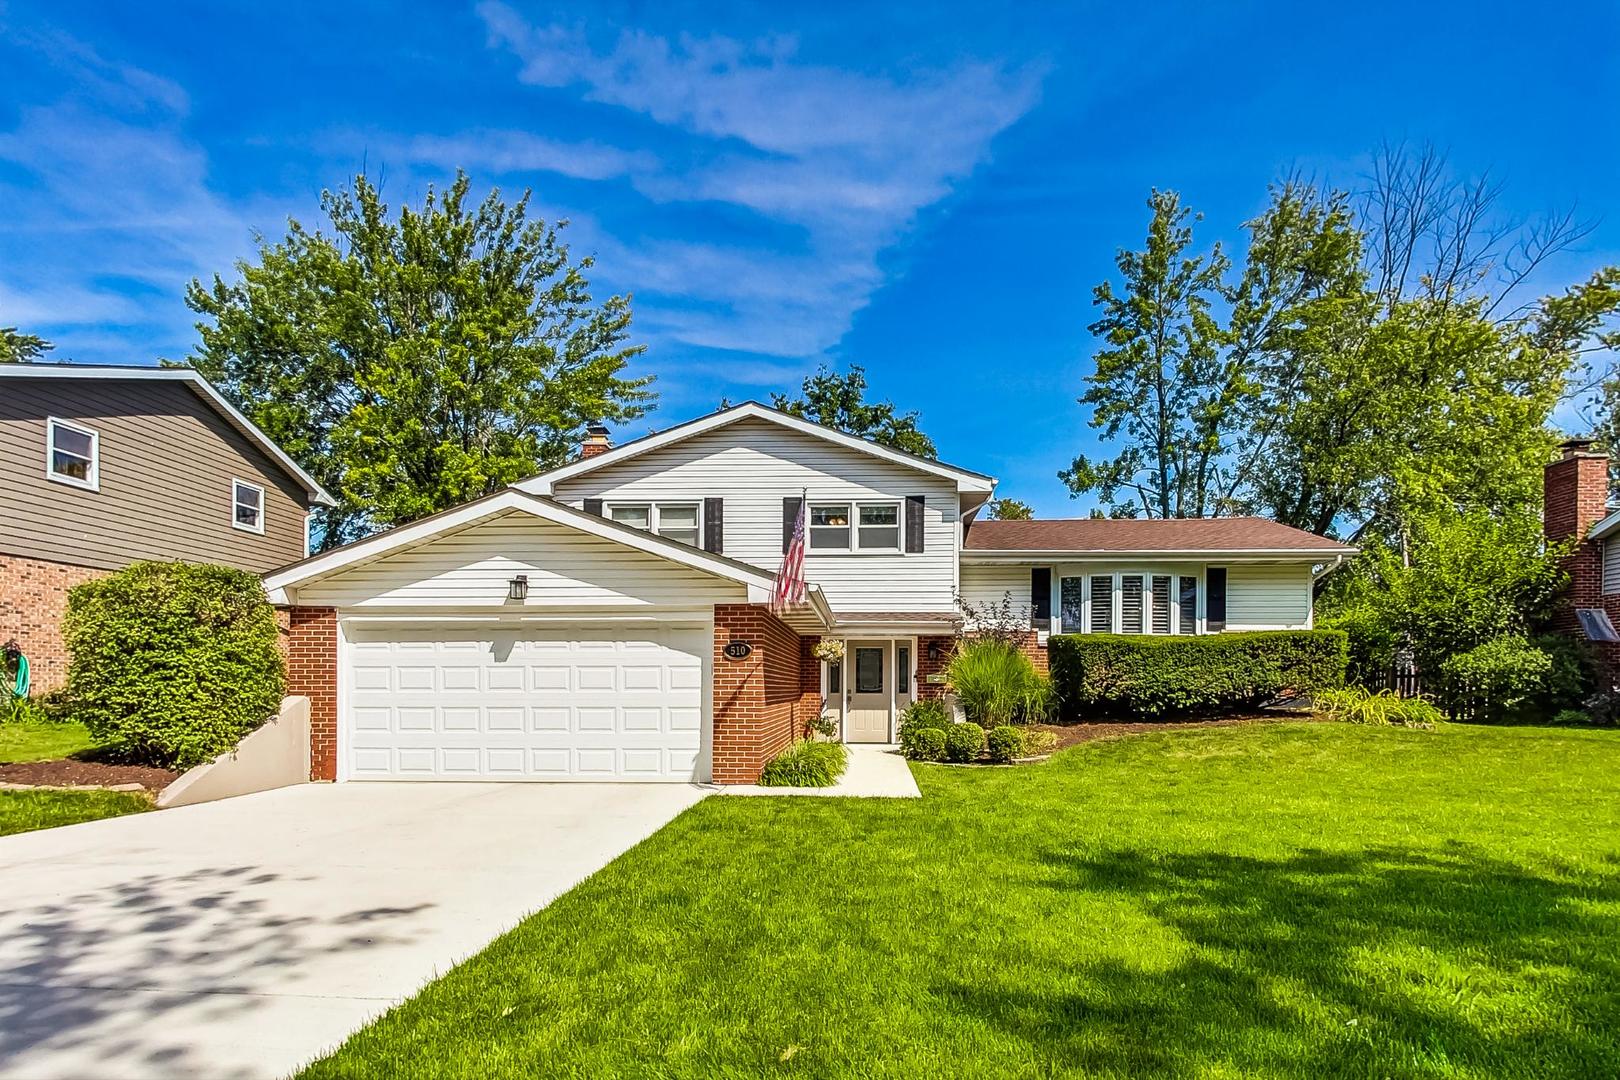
pixel 828 651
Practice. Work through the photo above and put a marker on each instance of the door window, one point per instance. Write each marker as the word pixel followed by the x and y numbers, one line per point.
pixel 869 671
pixel 902 669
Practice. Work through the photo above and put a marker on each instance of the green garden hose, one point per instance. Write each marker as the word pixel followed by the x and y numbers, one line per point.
pixel 20 690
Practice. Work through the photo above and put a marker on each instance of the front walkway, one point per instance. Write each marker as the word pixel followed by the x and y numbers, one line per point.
pixel 244 937
pixel 875 771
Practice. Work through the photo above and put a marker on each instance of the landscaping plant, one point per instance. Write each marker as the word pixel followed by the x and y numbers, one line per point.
pixel 964 742
pixel 1358 705
pixel 806 764
pixel 174 661
pixel 997 684
pixel 1004 744
pixel 1155 676
pixel 926 713
pixel 922 744
pixel 1491 681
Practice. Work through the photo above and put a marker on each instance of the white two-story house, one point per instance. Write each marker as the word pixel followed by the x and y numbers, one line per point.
pixel 612 619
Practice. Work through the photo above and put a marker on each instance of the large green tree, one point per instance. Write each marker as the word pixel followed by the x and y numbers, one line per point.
pixel 20 348
pixel 413 362
pixel 839 401
pixel 1365 364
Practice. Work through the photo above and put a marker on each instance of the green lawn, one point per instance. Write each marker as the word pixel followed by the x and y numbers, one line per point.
pixel 42 742
pixel 22 811
pixel 1304 900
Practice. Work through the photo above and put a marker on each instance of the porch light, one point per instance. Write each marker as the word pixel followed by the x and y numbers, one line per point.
pixel 933 652
pixel 518 588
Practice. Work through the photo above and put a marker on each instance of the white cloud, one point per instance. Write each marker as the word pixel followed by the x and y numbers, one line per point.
pixel 850 158
pixel 521 151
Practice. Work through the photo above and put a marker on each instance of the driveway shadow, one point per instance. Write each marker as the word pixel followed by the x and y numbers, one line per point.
pixel 123 967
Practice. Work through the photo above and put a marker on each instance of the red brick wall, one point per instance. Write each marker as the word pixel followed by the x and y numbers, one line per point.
pixel 927 667
pixel 762 703
pixel 33 600
pixel 312 664
pixel 1575 491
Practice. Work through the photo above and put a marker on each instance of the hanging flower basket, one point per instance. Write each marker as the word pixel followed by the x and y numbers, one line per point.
pixel 828 651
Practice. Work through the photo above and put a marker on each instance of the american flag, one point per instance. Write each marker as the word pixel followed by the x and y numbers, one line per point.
pixel 791 587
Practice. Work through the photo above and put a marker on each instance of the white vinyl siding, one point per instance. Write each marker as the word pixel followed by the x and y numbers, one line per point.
pixel 753 465
pixel 1268 597
pixel 566 568
pixel 1611 567
pixel 986 586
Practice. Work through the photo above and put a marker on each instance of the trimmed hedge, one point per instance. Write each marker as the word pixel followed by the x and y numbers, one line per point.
pixel 964 742
pixel 174 661
pixel 1154 676
pixel 806 764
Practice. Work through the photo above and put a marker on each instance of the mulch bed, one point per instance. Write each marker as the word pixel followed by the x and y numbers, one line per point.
pixel 1073 734
pixel 71 772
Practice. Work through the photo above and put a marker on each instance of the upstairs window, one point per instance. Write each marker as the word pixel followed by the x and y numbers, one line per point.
pixel 862 526
pixel 676 521
pixel 829 527
pixel 72 454
pixel 247 506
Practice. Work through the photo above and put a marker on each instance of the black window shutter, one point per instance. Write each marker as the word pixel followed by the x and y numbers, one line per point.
pixel 915 505
pixel 593 506
pixel 1040 596
pixel 714 525
pixel 1215 598
pixel 790 518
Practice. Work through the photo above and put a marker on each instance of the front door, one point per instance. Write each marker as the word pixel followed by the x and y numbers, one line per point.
pixel 869 692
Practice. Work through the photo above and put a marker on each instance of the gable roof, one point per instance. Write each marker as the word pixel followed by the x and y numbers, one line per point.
pixel 760 583
pixel 965 480
pixel 1116 536
pixel 199 385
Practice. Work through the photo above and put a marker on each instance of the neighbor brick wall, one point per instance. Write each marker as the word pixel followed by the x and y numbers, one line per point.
pixel 761 703
pixel 33 600
pixel 1575 492
pixel 312 667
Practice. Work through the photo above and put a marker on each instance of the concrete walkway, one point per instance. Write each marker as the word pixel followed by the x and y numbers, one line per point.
pixel 242 938
pixel 874 772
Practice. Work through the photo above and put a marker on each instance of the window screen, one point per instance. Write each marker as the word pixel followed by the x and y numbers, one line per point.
pixel 1189 606
pixel 1130 604
pixel 1161 604
pixel 1071 597
pixel 1102 604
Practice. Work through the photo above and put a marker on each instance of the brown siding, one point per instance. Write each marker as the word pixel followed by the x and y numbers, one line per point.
pixel 167 461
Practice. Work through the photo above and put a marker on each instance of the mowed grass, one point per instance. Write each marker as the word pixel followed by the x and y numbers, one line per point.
pixel 23 811
pixel 1301 900
pixel 32 741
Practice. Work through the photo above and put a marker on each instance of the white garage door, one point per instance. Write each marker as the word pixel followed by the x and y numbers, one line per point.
pixel 523 703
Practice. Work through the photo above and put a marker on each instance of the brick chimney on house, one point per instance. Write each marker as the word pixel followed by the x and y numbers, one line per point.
pixel 596 441
pixel 1575 496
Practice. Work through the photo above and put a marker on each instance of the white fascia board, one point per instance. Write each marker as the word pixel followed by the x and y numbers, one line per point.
pixel 282 584
pixel 247 427
pixel 966 482
pixel 1183 555
pixel 1605 527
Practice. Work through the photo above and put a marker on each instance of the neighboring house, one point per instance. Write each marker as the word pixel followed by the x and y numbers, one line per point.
pixel 103 466
pixel 1575 505
pixel 610 619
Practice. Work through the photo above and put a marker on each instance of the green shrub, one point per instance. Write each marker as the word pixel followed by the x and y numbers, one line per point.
pixel 1570 678
pixel 1154 676
pixel 963 742
pixel 1572 718
pixel 922 744
pixel 806 764
pixel 1358 705
pixel 1603 708
pixel 1005 743
pixel 28 710
pixel 926 713
pixel 1037 742
pixel 997 684
pixel 1370 647
pixel 1491 681
pixel 177 662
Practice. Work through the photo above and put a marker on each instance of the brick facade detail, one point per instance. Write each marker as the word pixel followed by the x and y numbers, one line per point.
pixel 33 602
pixel 1029 644
pixel 761 704
pixel 312 671
pixel 1575 494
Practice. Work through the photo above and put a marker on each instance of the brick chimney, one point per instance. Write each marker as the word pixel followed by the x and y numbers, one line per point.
pixel 1575 496
pixel 596 441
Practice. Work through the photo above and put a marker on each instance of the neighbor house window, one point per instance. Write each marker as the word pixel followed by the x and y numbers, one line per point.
pixel 676 521
pixel 876 526
pixel 72 454
pixel 247 506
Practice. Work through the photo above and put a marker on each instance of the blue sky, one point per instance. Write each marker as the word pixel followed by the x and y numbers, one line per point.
pixel 931 190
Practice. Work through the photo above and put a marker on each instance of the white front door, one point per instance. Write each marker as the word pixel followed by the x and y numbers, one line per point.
pixel 576 702
pixel 869 690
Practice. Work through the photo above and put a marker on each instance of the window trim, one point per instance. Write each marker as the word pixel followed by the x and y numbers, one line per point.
pixel 236 483
pixel 655 511
pixel 852 510
pixel 93 483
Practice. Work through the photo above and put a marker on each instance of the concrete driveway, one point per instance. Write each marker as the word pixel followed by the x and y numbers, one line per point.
pixel 242 938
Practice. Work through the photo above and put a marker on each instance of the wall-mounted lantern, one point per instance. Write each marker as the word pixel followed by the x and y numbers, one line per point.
pixel 518 588
pixel 933 652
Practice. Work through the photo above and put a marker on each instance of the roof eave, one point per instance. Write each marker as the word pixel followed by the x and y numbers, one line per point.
pixel 1094 554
